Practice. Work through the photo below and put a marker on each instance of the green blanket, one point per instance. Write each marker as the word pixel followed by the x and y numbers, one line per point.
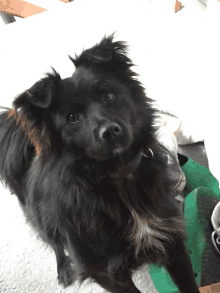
pixel 200 183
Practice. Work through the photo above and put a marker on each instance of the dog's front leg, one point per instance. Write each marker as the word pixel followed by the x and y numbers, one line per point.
pixel 121 282
pixel 179 266
pixel 65 271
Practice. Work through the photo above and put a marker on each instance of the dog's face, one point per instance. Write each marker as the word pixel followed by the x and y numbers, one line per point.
pixel 96 112
pixel 101 110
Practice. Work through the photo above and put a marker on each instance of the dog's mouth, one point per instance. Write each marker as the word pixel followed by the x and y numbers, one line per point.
pixel 110 151
pixel 118 150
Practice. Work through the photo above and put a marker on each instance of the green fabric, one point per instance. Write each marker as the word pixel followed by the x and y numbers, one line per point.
pixel 199 181
pixel 199 176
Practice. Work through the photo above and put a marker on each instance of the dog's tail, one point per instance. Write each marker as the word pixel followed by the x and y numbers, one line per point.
pixel 16 153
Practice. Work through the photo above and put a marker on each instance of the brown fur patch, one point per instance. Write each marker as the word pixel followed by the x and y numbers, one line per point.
pixel 39 140
pixel 11 113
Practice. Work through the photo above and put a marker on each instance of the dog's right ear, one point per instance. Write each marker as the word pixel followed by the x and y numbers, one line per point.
pixel 29 109
pixel 40 94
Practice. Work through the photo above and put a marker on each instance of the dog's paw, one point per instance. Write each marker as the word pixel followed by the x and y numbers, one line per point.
pixel 66 275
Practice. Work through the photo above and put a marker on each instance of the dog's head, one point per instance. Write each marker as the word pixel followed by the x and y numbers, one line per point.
pixel 101 110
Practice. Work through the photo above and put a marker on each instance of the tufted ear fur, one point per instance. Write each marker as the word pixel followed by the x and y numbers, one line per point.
pixel 106 53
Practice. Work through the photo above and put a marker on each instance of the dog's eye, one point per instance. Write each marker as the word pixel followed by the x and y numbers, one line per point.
pixel 109 97
pixel 73 118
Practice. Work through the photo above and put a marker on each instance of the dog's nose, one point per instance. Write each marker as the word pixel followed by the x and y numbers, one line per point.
pixel 109 131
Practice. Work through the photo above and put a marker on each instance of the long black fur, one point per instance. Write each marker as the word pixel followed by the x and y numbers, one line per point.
pixel 58 155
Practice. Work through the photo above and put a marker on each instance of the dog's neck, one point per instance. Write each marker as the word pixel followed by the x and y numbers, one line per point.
pixel 126 170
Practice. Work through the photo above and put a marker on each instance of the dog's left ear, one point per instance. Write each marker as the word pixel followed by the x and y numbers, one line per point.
pixel 108 55
pixel 101 53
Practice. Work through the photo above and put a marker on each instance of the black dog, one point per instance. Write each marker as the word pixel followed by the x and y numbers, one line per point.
pixel 82 156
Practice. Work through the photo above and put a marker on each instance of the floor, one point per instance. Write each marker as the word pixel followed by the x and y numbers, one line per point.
pixel 196 152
